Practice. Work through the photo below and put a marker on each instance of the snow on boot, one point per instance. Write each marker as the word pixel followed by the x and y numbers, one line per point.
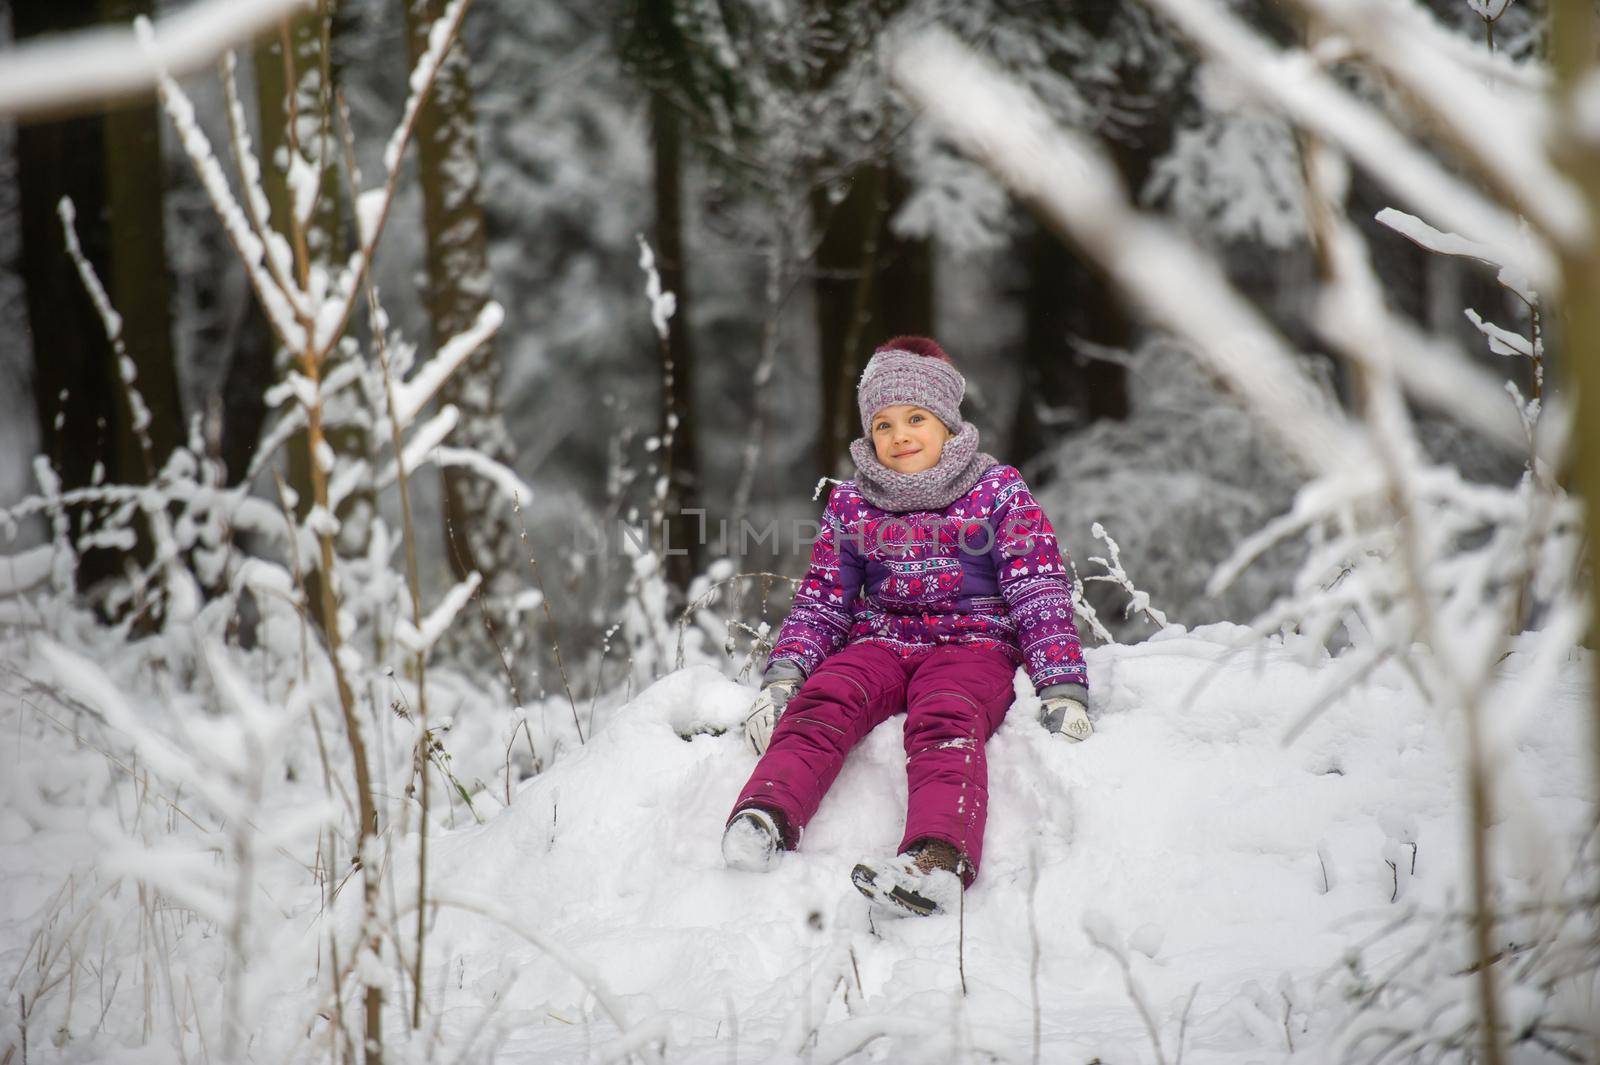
pixel 919 883
pixel 751 841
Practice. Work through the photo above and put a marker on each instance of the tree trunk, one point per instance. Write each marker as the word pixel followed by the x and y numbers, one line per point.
pixel 313 130
pixel 1064 298
pixel 479 533
pixel 679 452
pixel 109 167
pixel 870 285
pixel 140 284
pixel 1572 38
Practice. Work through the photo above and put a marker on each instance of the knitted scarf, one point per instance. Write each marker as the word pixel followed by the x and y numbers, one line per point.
pixel 958 469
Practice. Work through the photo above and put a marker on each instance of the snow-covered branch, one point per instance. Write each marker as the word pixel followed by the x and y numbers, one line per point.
pixel 1439 242
pixel 505 480
pixel 1292 82
pixel 112 321
pixel 411 396
pixel 1138 601
pixel 420 639
pixel 663 305
pixel 373 205
pixel 279 257
pixel 79 71
pixel 285 308
pixel 1498 131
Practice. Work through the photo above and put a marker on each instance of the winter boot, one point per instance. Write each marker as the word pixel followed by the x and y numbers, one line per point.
pixel 752 841
pixel 921 882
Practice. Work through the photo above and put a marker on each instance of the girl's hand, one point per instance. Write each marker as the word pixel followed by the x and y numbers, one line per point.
pixel 1066 717
pixel 764 713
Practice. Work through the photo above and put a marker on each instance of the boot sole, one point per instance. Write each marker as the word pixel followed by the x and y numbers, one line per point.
pixel 896 900
pixel 750 862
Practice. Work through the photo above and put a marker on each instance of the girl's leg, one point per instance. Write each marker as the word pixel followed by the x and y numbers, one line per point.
pixel 956 698
pixel 848 694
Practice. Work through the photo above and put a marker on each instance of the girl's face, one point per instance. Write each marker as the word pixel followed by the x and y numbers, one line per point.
pixel 908 439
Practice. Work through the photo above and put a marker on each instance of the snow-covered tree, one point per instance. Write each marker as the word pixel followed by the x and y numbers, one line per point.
pixel 460 284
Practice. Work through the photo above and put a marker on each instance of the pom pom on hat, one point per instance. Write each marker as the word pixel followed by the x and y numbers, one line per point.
pixel 917 346
pixel 913 370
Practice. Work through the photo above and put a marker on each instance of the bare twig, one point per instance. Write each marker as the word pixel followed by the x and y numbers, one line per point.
pixel 1033 946
pixel 705 598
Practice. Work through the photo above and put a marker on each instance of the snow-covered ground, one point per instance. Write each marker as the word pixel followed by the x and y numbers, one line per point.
pixel 1234 876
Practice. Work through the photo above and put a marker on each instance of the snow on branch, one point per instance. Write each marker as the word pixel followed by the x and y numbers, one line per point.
pixel 1291 82
pixel 1431 369
pixel 1313 503
pixel 372 205
pixel 80 70
pixel 1069 180
pixel 414 394
pixel 441 35
pixel 279 257
pixel 505 480
pixel 282 307
pixel 1423 235
pixel 112 321
pixel 663 305
pixel 432 433
pixel 1437 373
pixel 1501 341
pixel 419 641
pixel 1116 574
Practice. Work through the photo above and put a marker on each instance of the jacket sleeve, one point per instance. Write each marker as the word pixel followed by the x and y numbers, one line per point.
pixel 1037 586
pixel 824 603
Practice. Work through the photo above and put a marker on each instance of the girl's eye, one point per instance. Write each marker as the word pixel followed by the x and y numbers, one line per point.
pixel 916 417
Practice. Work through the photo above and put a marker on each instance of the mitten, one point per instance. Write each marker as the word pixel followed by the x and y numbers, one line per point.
pixel 764 713
pixel 1064 715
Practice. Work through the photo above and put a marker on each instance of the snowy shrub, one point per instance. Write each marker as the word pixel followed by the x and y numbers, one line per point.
pixel 320 709
pixel 1182 480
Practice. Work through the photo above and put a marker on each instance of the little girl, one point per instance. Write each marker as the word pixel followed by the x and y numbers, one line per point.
pixel 935 574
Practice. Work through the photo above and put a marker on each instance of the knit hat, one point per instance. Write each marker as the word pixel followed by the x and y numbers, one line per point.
pixel 912 370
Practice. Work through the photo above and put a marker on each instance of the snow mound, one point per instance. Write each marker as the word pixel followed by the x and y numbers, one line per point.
pixel 1184 857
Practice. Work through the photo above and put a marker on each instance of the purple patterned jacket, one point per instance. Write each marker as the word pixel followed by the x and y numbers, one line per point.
pixel 985 570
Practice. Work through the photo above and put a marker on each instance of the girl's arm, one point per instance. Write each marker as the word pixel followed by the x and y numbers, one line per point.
pixel 819 622
pixel 1037 586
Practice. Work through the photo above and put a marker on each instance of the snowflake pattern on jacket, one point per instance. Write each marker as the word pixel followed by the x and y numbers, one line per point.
pixel 985 570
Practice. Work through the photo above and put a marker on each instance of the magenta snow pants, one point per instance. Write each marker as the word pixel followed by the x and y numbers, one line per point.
pixel 954 696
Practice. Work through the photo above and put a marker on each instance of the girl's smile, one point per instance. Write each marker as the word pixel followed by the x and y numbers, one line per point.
pixel 908 439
